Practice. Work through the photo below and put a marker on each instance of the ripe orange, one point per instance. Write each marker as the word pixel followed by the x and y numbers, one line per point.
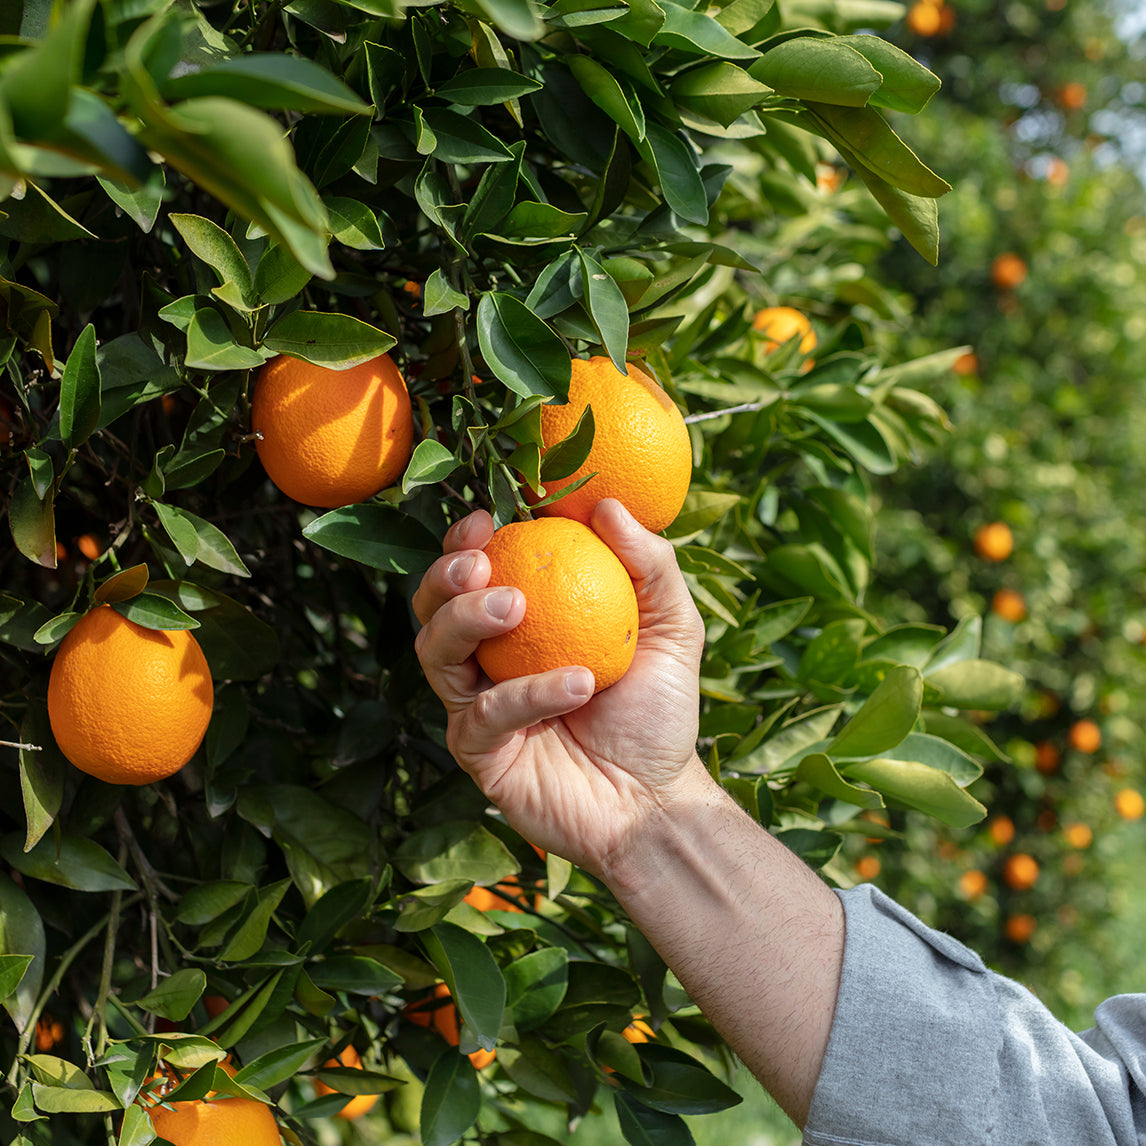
pixel 1010 605
pixel 49 1033
pixel 1078 835
pixel 1020 928
pixel 332 437
pixel 1047 757
pixel 924 19
pixel 1058 172
pixel 581 608
pixel 1001 830
pixel 778 324
pixel 994 541
pixel 88 544
pixel 1129 804
pixel 486 900
pixel 128 705
pixel 1085 736
pixel 1071 96
pixel 211 1121
pixel 360 1103
pixel 829 178
pixel 867 867
pixel 966 363
pixel 1020 871
pixel 438 1012
pixel 1008 271
pixel 638 1031
pixel 973 883
pixel 641 451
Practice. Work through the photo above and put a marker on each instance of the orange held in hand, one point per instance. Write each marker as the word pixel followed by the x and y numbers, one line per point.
pixel 360 1103
pixel 128 705
pixel 332 437
pixel 641 452
pixel 779 324
pixel 580 605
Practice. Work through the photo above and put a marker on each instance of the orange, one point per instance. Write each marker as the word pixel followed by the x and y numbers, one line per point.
pixel 829 178
pixel 778 324
pixel 994 541
pixel 487 899
pixel 1008 271
pixel 966 363
pixel 212 1121
pixel 1078 835
pixel 1047 757
pixel 360 1103
pixel 924 19
pixel 641 452
pixel 1020 928
pixel 1020 872
pixel 1085 736
pixel 1129 804
pixel 973 883
pixel 332 437
pixel 88 544
pixel 128 705
pixel 1071 96
pixel 1009 605
pixel 867 867
pixel 49 1033
pixel 581 608
pixel 442 1016
pixel 1058 172
pixel 638 1031
pixel 1001 830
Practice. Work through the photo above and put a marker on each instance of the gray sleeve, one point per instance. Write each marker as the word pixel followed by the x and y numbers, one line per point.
pixel 930 1048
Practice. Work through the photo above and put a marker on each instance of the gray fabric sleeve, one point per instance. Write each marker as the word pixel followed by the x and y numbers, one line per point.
pixel 930 1048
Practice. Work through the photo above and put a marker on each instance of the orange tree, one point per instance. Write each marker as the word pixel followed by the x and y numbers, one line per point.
pixel 483 191
pixel 1050 418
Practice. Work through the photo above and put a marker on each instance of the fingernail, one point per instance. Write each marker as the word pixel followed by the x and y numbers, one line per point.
pixel 498 603
pixel 463 528
pixel 460 569
pixel 579 684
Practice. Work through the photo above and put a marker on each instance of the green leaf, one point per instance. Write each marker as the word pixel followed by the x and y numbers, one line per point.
pixel 692 31
pixel 122 586
pixel 251 934
pixel 336 341
pixel 68 861
pixel 277 1066
pixel 451 1100
pixel 865 134
pixel 64 1100
pixel 457 849
pixel 13 968
pixel 137 1128
pixel 473 976
pixel 458 139
pixel 353 224
pixel 33 523
pixel 833 652
pixel 565 457
pixel 680 1084
pixel 140 204
pixel 474 87
pixel 642 1126
pixel 702 508
pixel 271 80
pixel 886 717
pixel 354 974
pixel 819 771
pixel 825 70
pixel 438 297
pixel 212 346
pixel 915 216
pixel 936 752
pixel 21 933
pixel 521 349
pixel 41 774
pixel 973 684
pixel 607 308
pixel 155 612
pixel 618 101
pixel 220 252
pixel 210 545
pixel 332 912
pixel 719 90
pixel 915 785
pixel 176 995
pixel 492 201
pixel 677 171
pixel 518 19
pixel 535 986
pixel 376 535
pixel 80 391
pixel 907 85
pixel 430 462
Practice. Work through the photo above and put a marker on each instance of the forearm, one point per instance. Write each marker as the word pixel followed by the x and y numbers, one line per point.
pixel 753 935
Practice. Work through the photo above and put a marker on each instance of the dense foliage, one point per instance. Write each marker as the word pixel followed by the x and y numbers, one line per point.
pixel 484 189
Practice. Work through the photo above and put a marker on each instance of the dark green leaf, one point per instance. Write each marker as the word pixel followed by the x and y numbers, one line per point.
pixel 41 774
pixel 176 995
pixel 907 85
pixel 886 717
pixel 473 976
pixel 642 1126
pixel 355 974
pixel 451 1100
pixel 376 535
pixel 155 612
pixel 336 341
pixel 431 462
pixel 68 861
pixel 677 170
pixel 826 70
pixel 476 86
pixel 607 308
pixel 564 458
pixel 212 346
pixel 33 523
pixel 521 349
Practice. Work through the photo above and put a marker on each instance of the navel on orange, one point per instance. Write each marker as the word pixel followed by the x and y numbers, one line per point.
pixel 641 452
pixel 332 437
pixel 580 605
pixel 128 705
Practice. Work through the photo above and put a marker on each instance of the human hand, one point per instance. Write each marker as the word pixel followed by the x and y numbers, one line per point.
pixel 574 773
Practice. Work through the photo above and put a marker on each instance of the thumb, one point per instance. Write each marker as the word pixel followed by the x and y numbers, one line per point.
pixel 666 606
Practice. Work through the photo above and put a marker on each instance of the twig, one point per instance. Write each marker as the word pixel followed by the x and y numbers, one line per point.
pixel 744 408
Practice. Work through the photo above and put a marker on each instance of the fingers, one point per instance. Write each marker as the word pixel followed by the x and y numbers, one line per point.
pixel 446 644
pixel 497 714
pixel 463 569
pixel 650 560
